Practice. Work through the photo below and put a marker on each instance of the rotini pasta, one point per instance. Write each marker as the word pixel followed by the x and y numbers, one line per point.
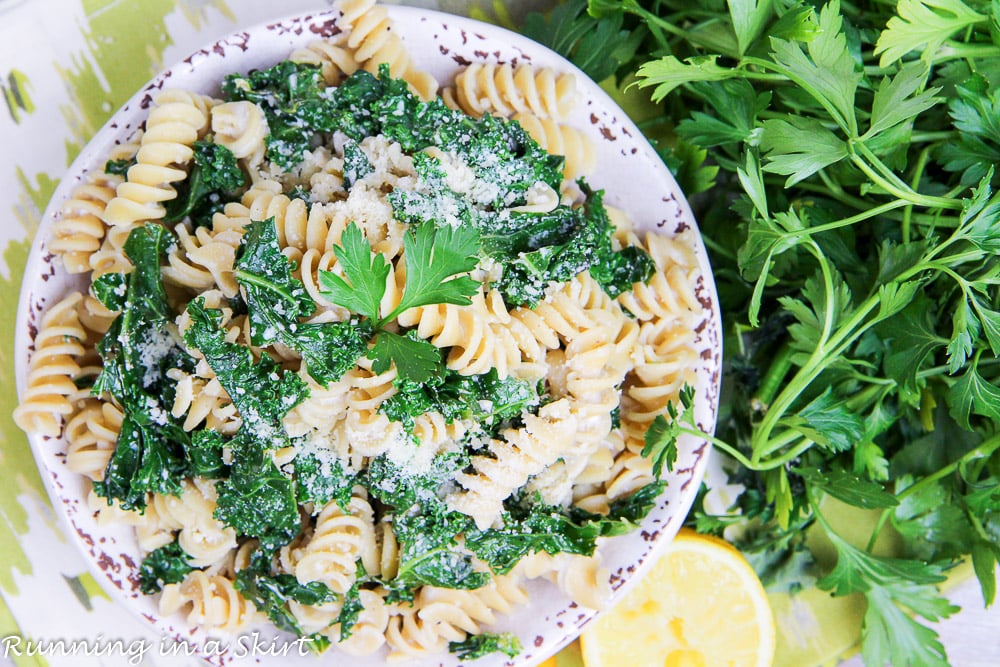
pixel 52 369
pixel 79 228
pixel 370 34
pixel 210 602
pixel 342 537
pixel 176 121
pixel 91 435
pixel 560 139
pixel 335 61
pixel 504 90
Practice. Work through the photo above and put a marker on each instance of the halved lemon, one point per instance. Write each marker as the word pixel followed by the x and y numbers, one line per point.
pixel 701 605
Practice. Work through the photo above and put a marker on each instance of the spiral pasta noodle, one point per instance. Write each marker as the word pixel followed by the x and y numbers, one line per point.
pixel 52 369
pixel 335 61
pixel 203 403
pixel 561 139
pixel 670 292
pixel 470 333
pixel 242 128
pixel 210 602
pixel 522 453
pixel 341 537
pixel 503 90
pixel 177 119
pixel 79 229
pixel 91 435
pixel 441 615
pixel 374 41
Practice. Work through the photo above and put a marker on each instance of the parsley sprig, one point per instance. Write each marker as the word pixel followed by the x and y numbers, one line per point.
pixel 434 258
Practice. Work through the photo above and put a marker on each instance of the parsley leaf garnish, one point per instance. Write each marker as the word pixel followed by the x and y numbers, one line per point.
pixel 433 258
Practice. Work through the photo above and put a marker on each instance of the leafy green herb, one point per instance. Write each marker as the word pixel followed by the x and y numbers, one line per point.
pixel 433 259
pixel 891 587
pixel 661 437
pixel 276 301
pixel 165 565
pixel 478 646
pixel 848 150
pixel 597 47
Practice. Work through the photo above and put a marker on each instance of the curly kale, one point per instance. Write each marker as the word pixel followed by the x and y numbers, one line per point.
pixel 214 180
pixel 256 499
pixel 165 565
pixel 587 246
pixel 489 398
pixel 136 353
pixel 474 647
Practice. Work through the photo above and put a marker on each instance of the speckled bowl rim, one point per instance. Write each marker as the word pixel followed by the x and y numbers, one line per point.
pixel 635 180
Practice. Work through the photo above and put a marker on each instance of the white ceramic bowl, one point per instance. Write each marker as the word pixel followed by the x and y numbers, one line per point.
pixel 635 180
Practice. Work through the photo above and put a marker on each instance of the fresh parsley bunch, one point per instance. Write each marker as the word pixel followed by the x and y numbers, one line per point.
pixel 846 151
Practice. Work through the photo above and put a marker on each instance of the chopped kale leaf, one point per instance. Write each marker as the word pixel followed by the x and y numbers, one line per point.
pixel 136 352
pixel 205 454
pixel 291 96
pixel 214 180
pixel 586 247
pixel 401 489
pixel 256 499
pixel 356 164
pixel 111 289
pixel 478 646
pixel 351 608
pixel 319 481
pixel 429 554
pixel 118 167
pixel 531 527
pixel 166 565
pixel 489 398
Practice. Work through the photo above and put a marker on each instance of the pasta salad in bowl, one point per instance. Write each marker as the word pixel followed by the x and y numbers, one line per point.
pixel 378 330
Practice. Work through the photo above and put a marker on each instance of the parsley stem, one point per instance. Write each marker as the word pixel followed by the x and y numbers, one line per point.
pixel 952 50
pixel 847 222
pixel 717 248
pixel 985 449
pixel 829 349
pixel 918 172
pixel 834 191
pixel 865 160
pixel 776 373
pixel 742 458
pixel 946 370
